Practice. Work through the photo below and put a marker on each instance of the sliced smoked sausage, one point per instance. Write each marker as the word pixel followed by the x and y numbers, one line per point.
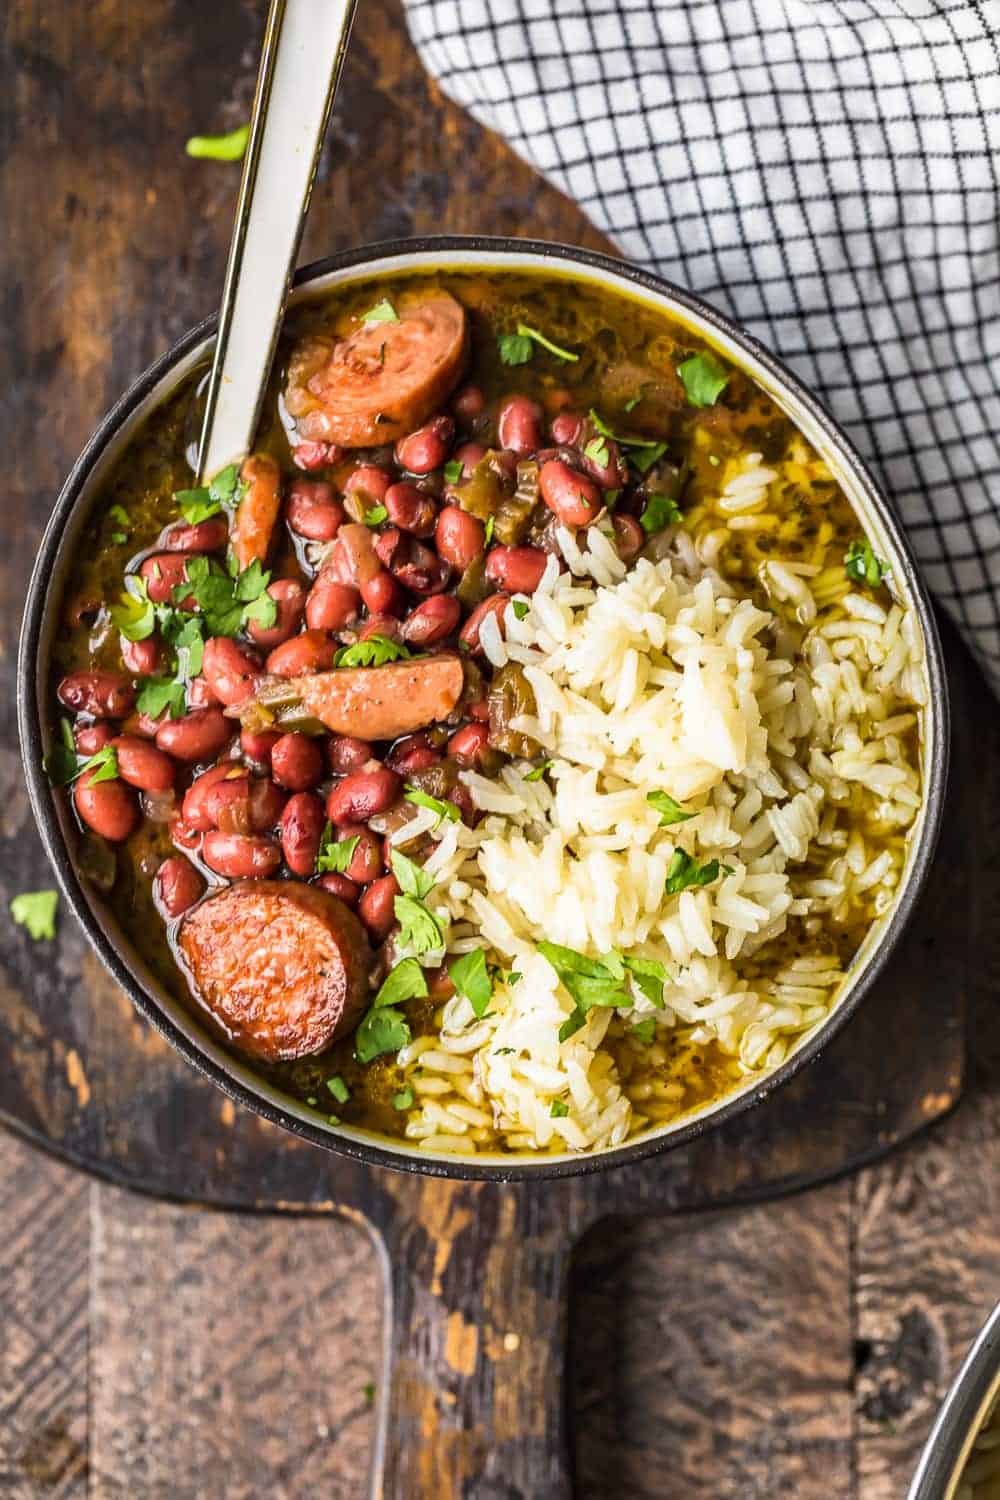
pixel 257 512
pixel 381 703
pixel 384 379
pixel 282 967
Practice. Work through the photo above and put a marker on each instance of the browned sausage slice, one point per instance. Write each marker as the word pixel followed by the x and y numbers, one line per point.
pixel 381 703
pixel 282 967
pixel 257 512
pixel 381 381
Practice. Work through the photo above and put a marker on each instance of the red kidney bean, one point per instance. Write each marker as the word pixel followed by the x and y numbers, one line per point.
pixel 106 695
pixel 257 744
pixel 413 753
pixel 312 651
pixel 469 744
pixel 387 625
pixel 347 754
pixel 197 812
pixel 315 455
pixel 517 569
pixel 416 566
pixel 370 480
pixel 494 605
pixel 176 887
pixel 183 836
pixel 297 762
pixel 573 497
pixel 610 475
pixel 362 794
pixel 462 798
pixel 480 711
pixel 143 725
pixel 410 508
pixel 140 657
pixel 469 455
pixel 459 537
pixel 313 511
pixel 468 403
pixel 432 621
pixel 567 429
pixel 200 694
pixel 301 832
pixel 382 594
pixel 202 536
pixel 352 558
pixel 240 856
pixel 143 765
pixel 232 670
pixel 331 605
pixel 89 738
pixel 519 425
pixel 377 907
pixel 340 886
pixel 163 573
pixel 267 801
pixel 629 537
pixel 427 448
pixel 290 597
pixel 366 863
pixel 201 735
pixel 110 808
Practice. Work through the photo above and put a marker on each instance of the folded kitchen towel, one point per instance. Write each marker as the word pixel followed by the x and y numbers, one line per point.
pixel 826 171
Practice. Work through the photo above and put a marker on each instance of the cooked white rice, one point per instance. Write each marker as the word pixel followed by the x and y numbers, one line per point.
pixel 766 724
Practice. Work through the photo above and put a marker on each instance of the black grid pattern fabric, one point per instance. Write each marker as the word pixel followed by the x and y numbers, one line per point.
pixel 823 170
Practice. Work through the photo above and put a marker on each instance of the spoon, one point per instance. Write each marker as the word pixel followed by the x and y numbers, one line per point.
pixel 304 46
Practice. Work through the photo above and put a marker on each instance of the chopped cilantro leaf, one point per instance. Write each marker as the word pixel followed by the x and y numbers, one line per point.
pixel 374 652
pixel 382 1030
pixel 514 348
pixel 413 880
pixel 334 855
pixel 703 379
pixel 197 505
pixel 598 451
pixel 645 1031
pixel 229 147
pixel 423 799
pixel 862 566
pixel 559 1109
pixel 419 928
pixel 537 772
pixel 61 763
pixel 524 332
pixel 338 1088
pixel 488 534
pixel 520 608
pixel 658 512
pixel 403 1100
pixel 35 911
pixel 160 693
pixel 382 312
pixel 375 516
pixel 682 872
pixel 101 767
pixel 404 982
pixel 453 470
pixel 669 810
pixel 648 976
pixel 470 976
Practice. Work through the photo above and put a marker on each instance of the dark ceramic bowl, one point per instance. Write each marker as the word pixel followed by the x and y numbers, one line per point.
pixel 55 819
pixel 973 1392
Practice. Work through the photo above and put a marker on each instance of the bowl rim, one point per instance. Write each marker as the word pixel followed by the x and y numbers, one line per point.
pixel 368 1147
pixel 960 1416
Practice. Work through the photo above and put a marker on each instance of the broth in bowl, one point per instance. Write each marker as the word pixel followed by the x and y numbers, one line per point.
pixel 514 753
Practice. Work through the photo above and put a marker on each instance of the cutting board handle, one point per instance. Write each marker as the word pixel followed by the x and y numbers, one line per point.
pixel 474 1406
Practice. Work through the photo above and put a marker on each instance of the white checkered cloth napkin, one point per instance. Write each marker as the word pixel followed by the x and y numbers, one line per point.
pixel 826 171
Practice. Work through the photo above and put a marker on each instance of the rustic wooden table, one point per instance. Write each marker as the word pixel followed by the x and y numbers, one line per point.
pixel 793 1348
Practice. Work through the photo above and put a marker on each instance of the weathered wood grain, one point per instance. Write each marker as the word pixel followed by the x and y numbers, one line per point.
pixel 231 1355
pixel 44 1265
pixel 711 1357
pixel 114 243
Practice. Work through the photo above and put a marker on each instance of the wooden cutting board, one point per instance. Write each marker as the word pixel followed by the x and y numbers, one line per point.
pixel 116 244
